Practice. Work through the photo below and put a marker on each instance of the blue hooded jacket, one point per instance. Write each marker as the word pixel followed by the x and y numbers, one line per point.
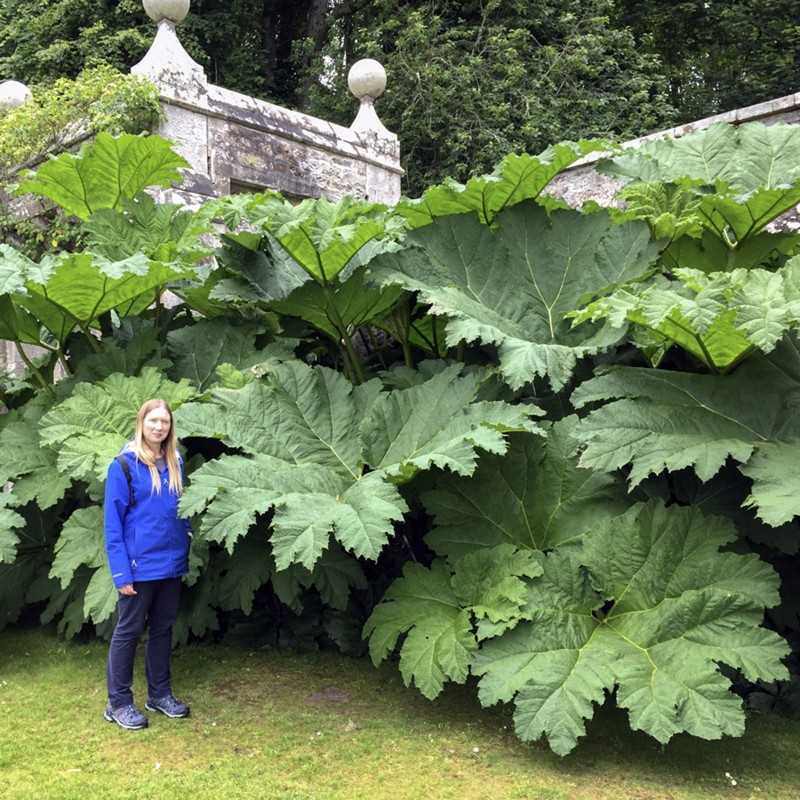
pixel 146 541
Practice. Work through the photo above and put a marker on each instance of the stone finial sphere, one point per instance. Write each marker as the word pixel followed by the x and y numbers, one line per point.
pixel 367 78
pixel 13 94
pixel 173 10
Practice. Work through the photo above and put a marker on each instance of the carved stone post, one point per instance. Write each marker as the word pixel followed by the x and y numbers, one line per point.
pixel 181 80
pixel 367 82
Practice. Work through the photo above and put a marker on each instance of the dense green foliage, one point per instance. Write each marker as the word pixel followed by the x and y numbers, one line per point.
pixel 59 115
pixel 558 68
pixel 100 99
pixel 550 448
pixel 718 55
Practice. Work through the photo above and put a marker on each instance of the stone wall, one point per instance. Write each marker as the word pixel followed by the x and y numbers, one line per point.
pixel 582 182
pixel 238 143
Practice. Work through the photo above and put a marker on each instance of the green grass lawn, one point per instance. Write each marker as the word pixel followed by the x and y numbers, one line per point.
pixel 317 727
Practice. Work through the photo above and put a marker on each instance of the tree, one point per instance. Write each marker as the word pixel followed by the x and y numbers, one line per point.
pixel 719 55
pixel 252 46
pixel 470 82
pixel 42 40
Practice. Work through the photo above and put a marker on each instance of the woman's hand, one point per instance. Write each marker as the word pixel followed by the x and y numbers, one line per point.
pixel 127 589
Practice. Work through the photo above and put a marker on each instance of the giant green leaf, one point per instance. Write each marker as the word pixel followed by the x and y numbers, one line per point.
pixel 752 167
pixel 649 606
pixel 199 349
pixel 514 179
pixel 14 269
pixel 17 324
pixel 710 253
pixel 320 236
pixel 743 157
pixel 719 317
pixel 81 543
pixel 79 287
pixel 244 572
pixel 100 600
pixel 776 484
pixel 259 270
pixel 311 502
pixel 438 608
pixel 91 426
pixel 725 495
pixel 739 219
pixel 197 613
pixel 535 497
pixel 439 642
pixel 298 414
pixel 30 467
pixel 311 435
pixel 659 420
pixel 514 287
pixel 360 515
pixel 435 423
pixel 25 580
pixel 163 232
pixel 136 344
pixel 339 308
pixel 334 575
pixel 106 171
pixel 10 522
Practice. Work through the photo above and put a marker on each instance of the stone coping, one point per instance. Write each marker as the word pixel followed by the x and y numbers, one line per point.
pixel 738 116
pixel 260 115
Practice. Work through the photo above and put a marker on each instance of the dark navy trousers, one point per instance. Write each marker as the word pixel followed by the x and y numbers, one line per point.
pixel 155 606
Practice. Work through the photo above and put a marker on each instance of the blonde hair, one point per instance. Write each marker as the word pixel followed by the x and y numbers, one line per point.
pixel 169 448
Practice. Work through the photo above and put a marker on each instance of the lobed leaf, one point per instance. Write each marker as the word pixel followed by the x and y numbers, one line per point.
pixel 10 522
pixel 679 608
pixel 514 287
pixel 93 424
pixel 514 179
pixel 31 468
pixel 439 643
pixel 320 236
pixel 106 171
pixel 81 543
pixel 337 314
pixel 535 497
pixel 752 167
pixel 776 488
pixel 198 350
pixel 437 423
pixel 720 318
pixel 672 420
pixel 309 435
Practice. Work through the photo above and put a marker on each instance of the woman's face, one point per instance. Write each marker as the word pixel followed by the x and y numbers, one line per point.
pixel 157 423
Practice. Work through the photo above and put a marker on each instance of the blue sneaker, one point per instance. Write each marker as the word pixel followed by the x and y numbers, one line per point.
pixel 128 717
pixel 168 706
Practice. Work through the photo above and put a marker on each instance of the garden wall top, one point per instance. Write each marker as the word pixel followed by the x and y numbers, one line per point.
pixel 237 143
pixel 581 182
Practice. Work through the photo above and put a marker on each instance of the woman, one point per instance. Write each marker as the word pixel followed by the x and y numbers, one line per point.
pixel 148 552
